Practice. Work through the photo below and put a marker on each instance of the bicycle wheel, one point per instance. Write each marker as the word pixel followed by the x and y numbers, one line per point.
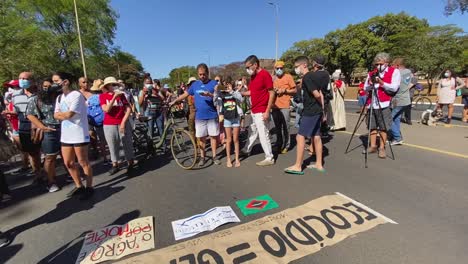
pixel 183 149
pixel 422 104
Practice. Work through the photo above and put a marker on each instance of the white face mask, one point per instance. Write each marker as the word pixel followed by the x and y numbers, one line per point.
pixel 447 74
pixel 298 71
pixel 149 86
pixel 382 67
pixel 279 72
pixel 250 71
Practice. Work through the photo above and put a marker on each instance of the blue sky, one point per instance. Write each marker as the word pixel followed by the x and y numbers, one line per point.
pixel 167 34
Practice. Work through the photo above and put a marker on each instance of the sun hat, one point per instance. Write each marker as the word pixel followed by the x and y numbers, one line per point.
pixel 191 80
pixel 110 80
pixel 97 85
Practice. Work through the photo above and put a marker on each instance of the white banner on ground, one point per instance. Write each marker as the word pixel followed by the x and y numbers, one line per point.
pixel 116 241
pixel 207 221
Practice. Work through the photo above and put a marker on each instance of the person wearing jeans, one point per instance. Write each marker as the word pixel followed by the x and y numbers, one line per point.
pixel 263 96
pixel 151 99
pixel 117 128
pixel 401 101
pixel 284 88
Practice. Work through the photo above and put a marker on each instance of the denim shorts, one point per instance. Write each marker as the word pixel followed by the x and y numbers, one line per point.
pixel 362 100
pixel 232 122
pixel 51 143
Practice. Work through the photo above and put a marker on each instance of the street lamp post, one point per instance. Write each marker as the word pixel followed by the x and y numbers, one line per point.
pixel 79 39
pixel 276 6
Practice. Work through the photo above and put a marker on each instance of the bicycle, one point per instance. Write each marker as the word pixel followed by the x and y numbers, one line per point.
pixel 182 143
pixel 421 102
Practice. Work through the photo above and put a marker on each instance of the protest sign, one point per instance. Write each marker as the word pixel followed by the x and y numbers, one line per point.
pixel 256 205
pixel 278 238
pixel 116 241
pixel 203 222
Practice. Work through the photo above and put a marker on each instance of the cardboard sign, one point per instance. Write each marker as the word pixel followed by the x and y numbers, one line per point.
pixel 207 221
pixel 116 241
pixel 256 205
pixel 278 238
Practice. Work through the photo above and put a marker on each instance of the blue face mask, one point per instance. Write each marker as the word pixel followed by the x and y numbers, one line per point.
pixel 279 72
pixel 24 84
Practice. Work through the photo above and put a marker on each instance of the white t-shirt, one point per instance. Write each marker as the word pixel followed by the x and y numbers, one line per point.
pixel 74 130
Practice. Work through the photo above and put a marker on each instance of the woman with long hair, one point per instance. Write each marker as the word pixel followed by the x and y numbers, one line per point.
pixel 446 93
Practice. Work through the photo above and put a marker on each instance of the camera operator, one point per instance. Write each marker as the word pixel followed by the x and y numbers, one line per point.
pixel 381 84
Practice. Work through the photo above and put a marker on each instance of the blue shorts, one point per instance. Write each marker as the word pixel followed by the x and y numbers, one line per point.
pixel 362 100
pixel 465 100
pixel 232 122
pixel 310 125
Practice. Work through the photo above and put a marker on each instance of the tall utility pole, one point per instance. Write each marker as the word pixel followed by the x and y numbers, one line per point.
pixel 79 39
pixel 276 6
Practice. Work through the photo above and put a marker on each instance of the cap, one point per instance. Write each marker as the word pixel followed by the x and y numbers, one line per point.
pixel 319 59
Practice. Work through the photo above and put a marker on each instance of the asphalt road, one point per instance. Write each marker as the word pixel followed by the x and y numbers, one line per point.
pixel 423 189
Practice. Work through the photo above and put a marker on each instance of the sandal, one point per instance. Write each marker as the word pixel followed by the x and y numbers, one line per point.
pixel 322 170
pixel 237 164
pixel 291 171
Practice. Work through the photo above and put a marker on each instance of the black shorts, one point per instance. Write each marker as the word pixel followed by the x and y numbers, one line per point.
pixel 27 145
pixel 75 144
pixel 377 123
pixel 310 125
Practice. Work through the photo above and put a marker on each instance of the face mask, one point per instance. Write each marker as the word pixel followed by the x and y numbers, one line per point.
pixel 279 72
pixel 382 68
pixel 298 71
pixel 116 87
pixel 447 74
pixel 250 71
pixel 55 87
pixel 149 86
pixel 24 84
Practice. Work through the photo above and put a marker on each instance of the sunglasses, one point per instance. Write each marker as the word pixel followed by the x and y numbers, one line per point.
pixel 279 68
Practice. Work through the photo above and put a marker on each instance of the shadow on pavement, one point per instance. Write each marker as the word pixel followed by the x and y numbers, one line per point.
pixel 62 211
pixel 68 253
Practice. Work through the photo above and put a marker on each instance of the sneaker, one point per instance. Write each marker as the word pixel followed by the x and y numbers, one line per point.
pixel 4 241
pixel 216 161
pixel 113 170
pixel 284 151
pixel 201 163
pixel 266 162
pixel 396 142
pixel 53 188
pixel 88 192
pixel 382 153
pixel 76 191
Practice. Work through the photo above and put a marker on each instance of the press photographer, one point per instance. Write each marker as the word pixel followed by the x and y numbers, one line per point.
pixel 381 84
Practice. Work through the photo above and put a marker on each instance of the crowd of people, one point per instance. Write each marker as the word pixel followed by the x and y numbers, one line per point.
pixel 52 118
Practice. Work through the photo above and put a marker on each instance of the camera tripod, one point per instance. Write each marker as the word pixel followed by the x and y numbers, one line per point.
pixel 368 115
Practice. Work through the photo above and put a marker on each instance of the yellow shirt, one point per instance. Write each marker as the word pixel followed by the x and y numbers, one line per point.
pixel 285 82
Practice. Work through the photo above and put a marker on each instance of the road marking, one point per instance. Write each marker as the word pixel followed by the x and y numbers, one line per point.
pixel 368 209
pixel 417 121
pixel 421 147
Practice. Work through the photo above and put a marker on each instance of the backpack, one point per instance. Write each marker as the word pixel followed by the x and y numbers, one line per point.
pixel 95 112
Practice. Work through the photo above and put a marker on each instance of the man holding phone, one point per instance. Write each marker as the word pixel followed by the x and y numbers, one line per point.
pixel 206 115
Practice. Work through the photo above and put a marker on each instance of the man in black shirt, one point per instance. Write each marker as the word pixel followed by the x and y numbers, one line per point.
pixel 313 85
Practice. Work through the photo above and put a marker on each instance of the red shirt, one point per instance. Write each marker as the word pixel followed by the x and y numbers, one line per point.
pixel 117 112
pixel 13 118
pixel 259 87
pixel 362 92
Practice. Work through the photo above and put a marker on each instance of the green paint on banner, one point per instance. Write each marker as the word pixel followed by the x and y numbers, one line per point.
pixel 256 205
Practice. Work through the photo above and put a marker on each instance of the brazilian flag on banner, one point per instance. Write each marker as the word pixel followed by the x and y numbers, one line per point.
pixel 256 205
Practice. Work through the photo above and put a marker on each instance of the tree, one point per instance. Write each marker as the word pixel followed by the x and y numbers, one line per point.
pixel 181 74
pixel 453 5
pixel 438 48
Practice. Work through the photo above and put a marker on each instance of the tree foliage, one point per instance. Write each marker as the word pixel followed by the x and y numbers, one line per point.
pixel 41 36
pixel 453 5
pixel 429 49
